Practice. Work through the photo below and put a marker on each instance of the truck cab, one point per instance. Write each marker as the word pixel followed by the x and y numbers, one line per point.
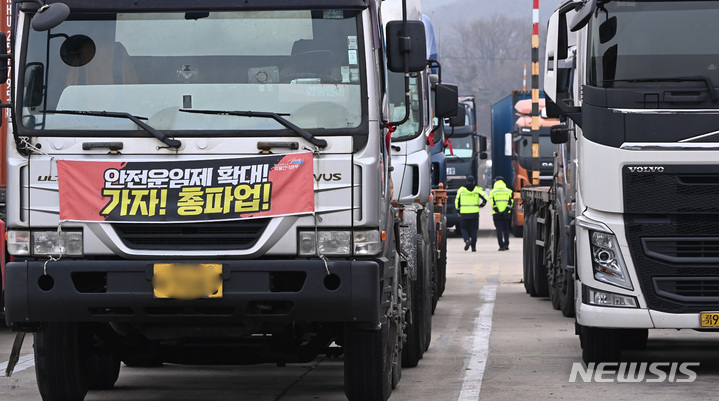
pixel 466 153
pixel 188 186
pixel 636 83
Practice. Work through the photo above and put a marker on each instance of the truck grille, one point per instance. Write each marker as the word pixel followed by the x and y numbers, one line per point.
pixel 226 235
pixel 682 250
pixel 672 225
pixel 677 189
pixel 688 289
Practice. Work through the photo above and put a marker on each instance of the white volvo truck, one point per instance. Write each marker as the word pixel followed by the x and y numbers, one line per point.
pixel 631 230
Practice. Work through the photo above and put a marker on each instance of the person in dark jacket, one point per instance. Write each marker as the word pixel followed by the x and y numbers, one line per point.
pixel 501 200
pixel 469 199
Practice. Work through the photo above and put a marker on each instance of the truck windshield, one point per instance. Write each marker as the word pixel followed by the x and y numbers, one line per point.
pixel 546 148
pixel 633 42
pixel 462 146
pixel 303 65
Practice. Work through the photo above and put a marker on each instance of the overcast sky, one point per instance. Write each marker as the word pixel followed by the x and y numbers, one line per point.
pixel 448 11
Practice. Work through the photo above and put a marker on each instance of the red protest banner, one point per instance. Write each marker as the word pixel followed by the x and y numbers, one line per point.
pixel 192 190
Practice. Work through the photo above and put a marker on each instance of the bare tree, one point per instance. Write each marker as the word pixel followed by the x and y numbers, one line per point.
pixel 486 58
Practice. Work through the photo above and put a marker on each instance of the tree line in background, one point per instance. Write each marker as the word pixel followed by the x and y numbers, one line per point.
pixel 486 58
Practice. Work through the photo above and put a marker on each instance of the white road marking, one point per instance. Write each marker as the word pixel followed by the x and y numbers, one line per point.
pixel 474 372
pixel 25 362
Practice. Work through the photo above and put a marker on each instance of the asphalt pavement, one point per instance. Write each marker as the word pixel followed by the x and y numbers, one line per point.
pixel 490 341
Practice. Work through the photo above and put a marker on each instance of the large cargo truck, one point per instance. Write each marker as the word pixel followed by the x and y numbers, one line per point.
pixel 439 161
pixel 512 139
pixel 523 158
pixel 412 180
pixel 504 119
pixel 627 231
pixel 466 153
pixel 5 23
pixel 188 186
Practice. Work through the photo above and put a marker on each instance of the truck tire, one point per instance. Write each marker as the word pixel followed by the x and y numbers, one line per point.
pixel 566 294
pixel 429 235
pixel 528 262
pixel 554 297
pixel 104 366
pixel 442 262
pixel 429 304
pixel 62 362
pixel 373 356
pixel 635 339
pixel 416 339
pixel 561 284
pixel 366 371
pixel 148 361
pixel 413 348
pixel 556 285
pixel 525 260
pixel 517 230
pixel 600 344
pixel 541 281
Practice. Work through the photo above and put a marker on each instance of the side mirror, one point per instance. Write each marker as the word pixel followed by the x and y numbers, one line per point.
pixel 557 45
pixel 446 100
pixel 551 109
pixel 411 44
pixel 559 67
pixel 508 144
pixel 583 16
pixel 483 156
pixel 483 143
pixel 608 30
pixel 459 119
pixel 77 50
pixel 559 134
pixel 35 78
pixel 49 16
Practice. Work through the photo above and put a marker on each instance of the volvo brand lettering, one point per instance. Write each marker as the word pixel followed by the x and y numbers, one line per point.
pixel 328 177
pixel 646 169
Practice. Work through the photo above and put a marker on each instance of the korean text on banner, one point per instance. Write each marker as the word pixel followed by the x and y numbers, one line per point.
pixel 182 191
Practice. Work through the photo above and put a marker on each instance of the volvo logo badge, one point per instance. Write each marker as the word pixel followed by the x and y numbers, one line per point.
pixel 646 169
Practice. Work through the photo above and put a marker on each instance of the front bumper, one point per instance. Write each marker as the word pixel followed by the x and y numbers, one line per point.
pixel 635 318
pixel 253 290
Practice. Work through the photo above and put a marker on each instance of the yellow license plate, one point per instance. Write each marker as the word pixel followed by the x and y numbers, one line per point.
pixel 187 280
pixel 709 319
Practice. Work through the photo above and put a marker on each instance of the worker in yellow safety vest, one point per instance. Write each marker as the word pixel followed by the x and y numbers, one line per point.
pixel 469 199
pixel 501 200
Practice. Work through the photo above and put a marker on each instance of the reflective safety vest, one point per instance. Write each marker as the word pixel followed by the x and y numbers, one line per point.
pixel 501 198
pixel 468 202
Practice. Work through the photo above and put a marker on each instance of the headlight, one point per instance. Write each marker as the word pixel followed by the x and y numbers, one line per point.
pixel 339 243
pixel 18 242
pixel 45 243
pixel 367 242
pixel 606 298
pixel 330 243
pixel 607 260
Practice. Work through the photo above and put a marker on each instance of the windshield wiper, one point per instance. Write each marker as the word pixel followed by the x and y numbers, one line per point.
pixel 263 114
pixel 173 143
pixel 698 78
